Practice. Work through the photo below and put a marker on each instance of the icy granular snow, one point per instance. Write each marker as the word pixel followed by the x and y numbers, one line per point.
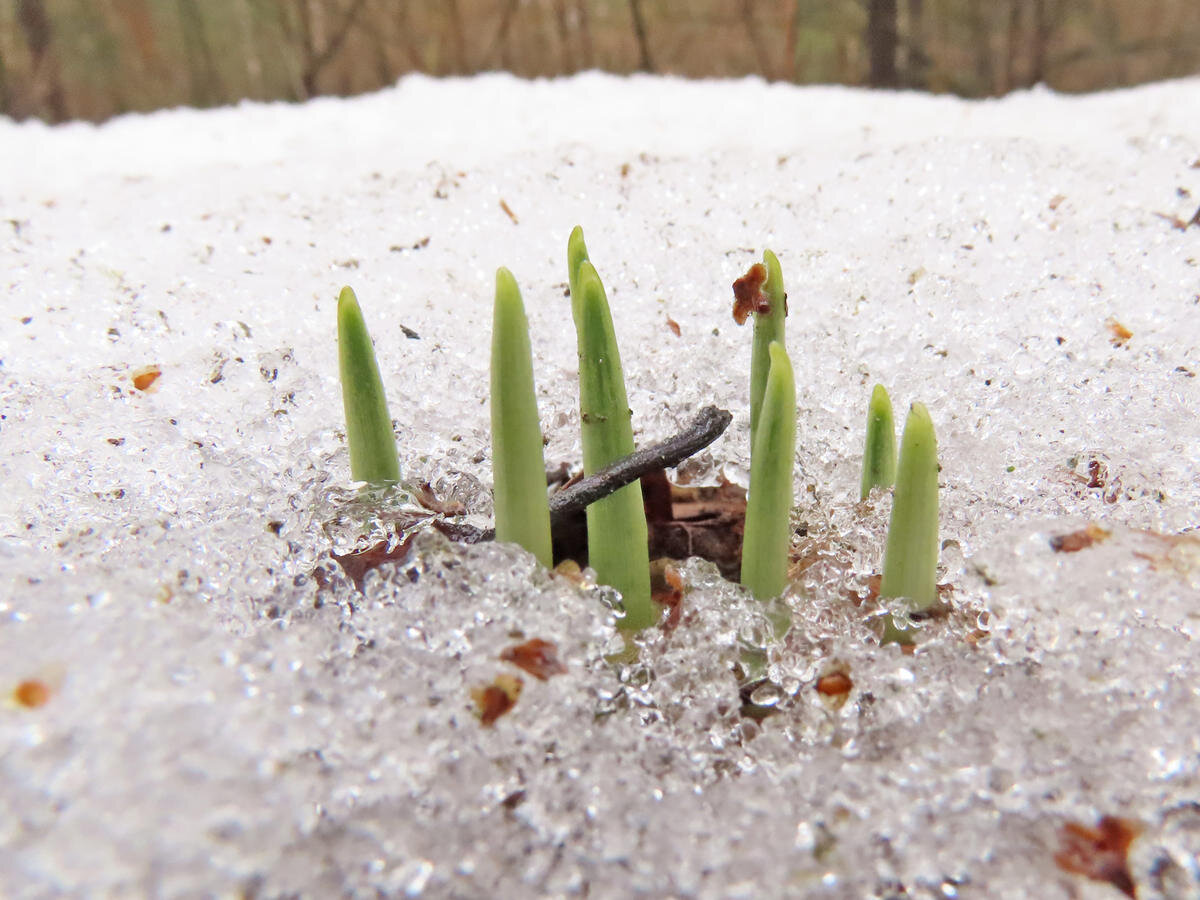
pixel 229 715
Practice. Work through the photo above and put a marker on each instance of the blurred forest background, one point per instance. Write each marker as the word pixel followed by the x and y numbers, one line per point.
pixel 91 59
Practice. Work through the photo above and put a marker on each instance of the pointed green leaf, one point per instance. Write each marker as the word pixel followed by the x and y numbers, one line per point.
pixel 879 452
pixel 767 538
pixel 768 328
pixel 577 254
pixel 618 544
pixel 518 464
pixel 373 454
pixel 910 561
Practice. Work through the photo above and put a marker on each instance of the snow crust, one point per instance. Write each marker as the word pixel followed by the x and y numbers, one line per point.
pixel 219 723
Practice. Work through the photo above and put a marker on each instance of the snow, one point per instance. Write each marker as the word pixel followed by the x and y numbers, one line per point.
pixel 219 723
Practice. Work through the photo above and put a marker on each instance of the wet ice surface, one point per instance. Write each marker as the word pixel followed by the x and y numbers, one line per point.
pixel 219 722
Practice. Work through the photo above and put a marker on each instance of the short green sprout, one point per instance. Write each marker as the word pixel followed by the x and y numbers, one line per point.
pixel 618 544
pixel 910 561
pixel 879 452
pixel 769 322
pixel 518 465
pixel 767 537
pixel 373 454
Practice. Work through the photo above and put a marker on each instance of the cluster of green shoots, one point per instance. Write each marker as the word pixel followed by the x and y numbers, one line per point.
pixel 616 523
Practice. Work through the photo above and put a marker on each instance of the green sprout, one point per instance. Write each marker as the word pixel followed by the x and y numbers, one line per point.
pixel 518 465
pixel 879 453
pixel 373 456
pixel 768 532
pixel 618 544
pixel 769 323
pixel 910 561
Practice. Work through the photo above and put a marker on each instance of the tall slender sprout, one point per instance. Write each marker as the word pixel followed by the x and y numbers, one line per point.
pixel 769 505
pixel 879 452
pixel 769 320
pixel 373 454
pixel 518 465
pixel 618 545
pixel 910 561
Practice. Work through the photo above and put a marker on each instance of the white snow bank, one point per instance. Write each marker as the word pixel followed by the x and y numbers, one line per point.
pixel 466 121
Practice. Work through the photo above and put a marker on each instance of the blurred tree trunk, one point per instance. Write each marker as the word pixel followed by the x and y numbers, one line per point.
pixel 881 40
pixel 981 33
pixel 206 86
pixel 311 33
pixel 46 77
pixel 585 32
pixel 1041 38
pixel 500 48
pixel 1012 46
pixel 562 19
pixel 5 99
pixel 458 36
pixel 140 25
pixel 416 61
pixel 916 74
pixel 253 41
pixel 757 45
pixel 791 42
pixel 1183 57
pixel 377 36
pixel 639 31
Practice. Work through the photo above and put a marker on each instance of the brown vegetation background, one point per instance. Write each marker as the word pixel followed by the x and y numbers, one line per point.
pixel 91 59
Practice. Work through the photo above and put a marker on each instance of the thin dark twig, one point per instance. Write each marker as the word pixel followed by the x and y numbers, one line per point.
pixel 709 425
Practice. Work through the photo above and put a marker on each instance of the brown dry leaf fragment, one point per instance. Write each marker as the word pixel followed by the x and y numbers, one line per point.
pixel 695 521
pixel 624 170
pixel 537 657
pixel 1057 200
pixel 1177 223
pixel 674 326
pixel 666 589
pixel 144 378
pixel 570 570
pixel 748 296
pixel 494 700
pixel 358 563
pixel 513 800
pixel 977 637
pixel 1079 540
pixel 835 685
pixel 1177 552
pixel 872 586
pixel 508 211
pixel 1120 335
pixel 1100 853
pixel 31 694
pixel 425 496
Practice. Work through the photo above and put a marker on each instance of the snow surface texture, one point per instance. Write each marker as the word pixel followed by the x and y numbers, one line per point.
pixel 217 723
